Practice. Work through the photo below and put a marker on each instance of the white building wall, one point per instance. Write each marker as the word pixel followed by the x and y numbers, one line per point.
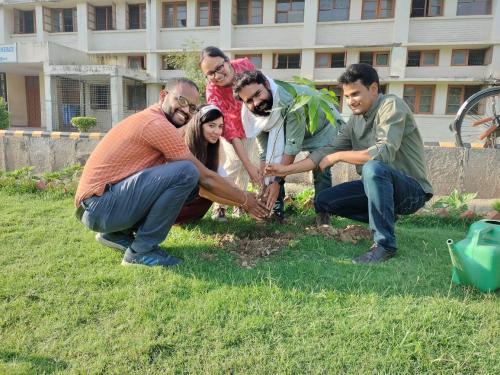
pixel 396 35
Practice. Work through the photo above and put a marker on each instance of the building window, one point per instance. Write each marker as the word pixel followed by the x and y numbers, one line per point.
pixel 457 95
pixel 136 14
pixel 24 21
pixel 174 14
pixel 136 97
pixel 286 61
pixel 426 8
pixel 422 58
pixel 256 60
pixel 330 60
pixel 99 96
pixel 3 86
pixel 249 12
pixel 136 62
pixel 288 11
pixel 59 20
pixel 208 13
pixel 473 7
pixel 420 99
pixel 470 57
pixel 374 58
pixel 333 10
pixel 104 19
pixel 375 9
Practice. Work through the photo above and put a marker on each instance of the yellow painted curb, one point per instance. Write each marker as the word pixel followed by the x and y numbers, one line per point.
pixel 18 133
pixel 74 135
pixel 94 136
pixel 36 134
pixel 55 135
pixel 2 133
pixel 447 144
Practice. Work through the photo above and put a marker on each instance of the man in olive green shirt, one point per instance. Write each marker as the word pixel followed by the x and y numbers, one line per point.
pixel 280 133
pixel 383 141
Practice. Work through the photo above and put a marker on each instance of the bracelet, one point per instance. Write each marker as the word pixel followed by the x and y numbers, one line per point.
pixel 279 180
pixel 244 204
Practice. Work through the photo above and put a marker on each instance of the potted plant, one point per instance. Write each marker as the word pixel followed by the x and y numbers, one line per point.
pixel 84 124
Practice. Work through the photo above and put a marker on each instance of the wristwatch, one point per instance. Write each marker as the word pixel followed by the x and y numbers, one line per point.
pixel 279 180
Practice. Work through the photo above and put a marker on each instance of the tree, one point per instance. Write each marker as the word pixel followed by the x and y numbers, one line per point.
pixel 4 114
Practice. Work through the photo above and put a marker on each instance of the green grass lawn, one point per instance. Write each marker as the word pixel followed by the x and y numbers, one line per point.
pixel 67 306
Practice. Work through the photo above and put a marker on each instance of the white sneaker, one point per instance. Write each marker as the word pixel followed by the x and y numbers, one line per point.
pixel 219 214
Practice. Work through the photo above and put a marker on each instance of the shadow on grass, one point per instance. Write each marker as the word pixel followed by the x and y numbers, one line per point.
pixel 314 263
pixel 39 364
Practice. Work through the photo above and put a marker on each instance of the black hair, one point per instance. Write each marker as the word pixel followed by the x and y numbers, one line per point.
pixel 206 153
pixel 362 72
pixel 212 51
pixel 173 82
pixel 247 78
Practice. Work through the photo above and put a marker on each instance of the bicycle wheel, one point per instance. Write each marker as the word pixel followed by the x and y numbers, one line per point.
pixel 477 121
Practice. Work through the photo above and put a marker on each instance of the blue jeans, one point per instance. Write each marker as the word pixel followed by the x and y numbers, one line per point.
pixel 381 193
pixel 146 203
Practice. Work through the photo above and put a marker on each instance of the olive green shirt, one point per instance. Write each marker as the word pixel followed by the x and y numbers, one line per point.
pixel 297 135
pixel 389 132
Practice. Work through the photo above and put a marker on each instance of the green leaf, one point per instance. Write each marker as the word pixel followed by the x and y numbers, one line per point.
pixel 313 114
pixel 327 110
pixel 304 81
pixel 288 87
pixel 299 102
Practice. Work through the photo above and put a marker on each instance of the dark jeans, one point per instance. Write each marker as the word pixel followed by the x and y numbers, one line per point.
pixel 146 203
pixel 381 193
pixel 322 181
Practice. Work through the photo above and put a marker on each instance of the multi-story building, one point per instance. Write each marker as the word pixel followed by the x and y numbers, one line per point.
pixel 107 59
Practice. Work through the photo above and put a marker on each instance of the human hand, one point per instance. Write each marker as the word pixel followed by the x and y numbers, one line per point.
pixel 327 162
pixel 255 207
pixel 275 170
pixel 255 175
pixel 271 194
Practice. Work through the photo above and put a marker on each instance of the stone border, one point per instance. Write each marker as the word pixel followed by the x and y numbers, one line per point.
pixel 52 135
pixel 98 136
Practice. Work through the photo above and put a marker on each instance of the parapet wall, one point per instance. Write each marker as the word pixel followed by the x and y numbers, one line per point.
pixel 465 169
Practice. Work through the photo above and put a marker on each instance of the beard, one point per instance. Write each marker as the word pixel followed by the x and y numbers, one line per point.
pixel 264 108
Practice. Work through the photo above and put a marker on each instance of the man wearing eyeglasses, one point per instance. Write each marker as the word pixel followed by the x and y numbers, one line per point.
pixel 139 176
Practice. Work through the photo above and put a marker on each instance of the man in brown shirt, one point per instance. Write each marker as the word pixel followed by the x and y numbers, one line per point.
pixel 139 176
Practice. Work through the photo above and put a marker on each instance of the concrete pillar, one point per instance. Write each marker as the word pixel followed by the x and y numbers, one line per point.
pixel 450 8
pixel 310 23
pixel 153 65
pixel 46 100
pixel 153 93
pixel 352 57
pixel 4 31
pixel 121 12
pixel 307 63
pixel 400 36
pixel 494 69
pixel 440 96
pixel 226 25
pixel 191 19
pixel 355 10
pixel 153 24
pixel 82 25
pixel 267 62
pixel 40 34
pixel 397 88
pixel 116 90
pixel 269 12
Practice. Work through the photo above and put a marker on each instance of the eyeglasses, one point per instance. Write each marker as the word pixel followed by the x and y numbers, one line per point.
pixel 218 70
pixel 183 102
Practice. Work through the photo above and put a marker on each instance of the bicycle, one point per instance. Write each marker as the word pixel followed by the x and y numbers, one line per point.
pixel 478 119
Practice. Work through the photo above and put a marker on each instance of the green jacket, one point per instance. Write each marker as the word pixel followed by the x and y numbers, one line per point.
pixel 297 136
pixel 389 132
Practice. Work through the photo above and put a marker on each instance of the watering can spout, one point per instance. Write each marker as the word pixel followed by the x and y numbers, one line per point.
pixel 450 245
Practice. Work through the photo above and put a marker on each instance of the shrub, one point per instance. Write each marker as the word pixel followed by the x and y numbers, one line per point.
pixel 455 203
pixel 84 124
pixel 496 206
pixel 4 115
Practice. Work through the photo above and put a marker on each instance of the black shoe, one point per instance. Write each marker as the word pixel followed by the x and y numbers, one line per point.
pixel 323 218
pixel 117 242
pixel 376 254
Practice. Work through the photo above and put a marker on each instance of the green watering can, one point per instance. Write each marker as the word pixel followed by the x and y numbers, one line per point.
pixel 476 259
